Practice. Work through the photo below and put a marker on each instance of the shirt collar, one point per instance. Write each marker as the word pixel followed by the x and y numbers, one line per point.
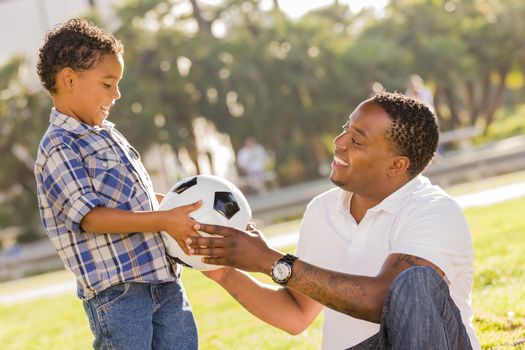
pixel 74 126
pixel 390 204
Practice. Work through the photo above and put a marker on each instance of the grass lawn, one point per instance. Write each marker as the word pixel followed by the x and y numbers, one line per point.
pixel 498 298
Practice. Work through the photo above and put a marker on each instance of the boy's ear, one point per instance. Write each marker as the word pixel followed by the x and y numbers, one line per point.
pixel 399 165
pixel 66 78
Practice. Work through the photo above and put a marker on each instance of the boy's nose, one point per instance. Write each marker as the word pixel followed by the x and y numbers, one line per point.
pixel 117 94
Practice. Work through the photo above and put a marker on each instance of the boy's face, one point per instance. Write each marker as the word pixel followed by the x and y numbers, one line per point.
pixel 95 90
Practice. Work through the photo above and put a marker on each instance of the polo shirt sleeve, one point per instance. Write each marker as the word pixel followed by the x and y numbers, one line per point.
pixel 438 232
pixel 306 243
pixel 68 187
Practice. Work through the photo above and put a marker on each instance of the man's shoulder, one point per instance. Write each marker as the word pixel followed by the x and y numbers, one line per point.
pixel 430 201
pixel 329 196
pixel 432 195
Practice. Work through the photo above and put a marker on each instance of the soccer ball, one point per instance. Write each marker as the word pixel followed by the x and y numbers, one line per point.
pixel 222 204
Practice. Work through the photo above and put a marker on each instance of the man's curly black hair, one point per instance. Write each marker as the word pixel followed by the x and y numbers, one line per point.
pixel 414 131
pixel 77 44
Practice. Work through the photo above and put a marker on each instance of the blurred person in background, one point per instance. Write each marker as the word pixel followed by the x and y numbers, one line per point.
pixel 251 160
pixel 416 88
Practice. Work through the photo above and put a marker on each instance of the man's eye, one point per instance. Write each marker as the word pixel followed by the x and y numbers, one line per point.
pixel 107 86
pixel 355 142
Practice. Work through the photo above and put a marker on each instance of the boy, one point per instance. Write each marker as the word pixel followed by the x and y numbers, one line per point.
pixel 97 201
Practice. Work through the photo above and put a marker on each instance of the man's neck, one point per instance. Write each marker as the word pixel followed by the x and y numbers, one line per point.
pixel 360 204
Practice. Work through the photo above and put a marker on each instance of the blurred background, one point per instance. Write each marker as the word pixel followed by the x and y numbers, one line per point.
pixel 202 77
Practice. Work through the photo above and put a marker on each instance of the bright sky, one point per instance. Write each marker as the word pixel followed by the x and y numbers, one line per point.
pixel 296 8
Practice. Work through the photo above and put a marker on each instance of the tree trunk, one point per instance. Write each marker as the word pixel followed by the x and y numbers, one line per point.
pixel 497 99
pixel 472 105
pixel 452 105
pixel 204 25
pixel 443 125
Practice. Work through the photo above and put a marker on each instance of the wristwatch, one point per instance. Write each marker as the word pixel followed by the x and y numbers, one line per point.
pixel 282 269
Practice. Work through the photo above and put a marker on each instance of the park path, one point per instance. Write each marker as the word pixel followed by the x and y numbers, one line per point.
pixel 284 239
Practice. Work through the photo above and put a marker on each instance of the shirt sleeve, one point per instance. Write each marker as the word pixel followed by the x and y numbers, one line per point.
pixel 437 232
pixel 68 187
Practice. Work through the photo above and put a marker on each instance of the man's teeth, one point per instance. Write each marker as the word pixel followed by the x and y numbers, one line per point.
pixel 339 161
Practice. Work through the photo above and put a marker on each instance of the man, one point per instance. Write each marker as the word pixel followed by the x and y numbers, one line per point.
pixel 390 250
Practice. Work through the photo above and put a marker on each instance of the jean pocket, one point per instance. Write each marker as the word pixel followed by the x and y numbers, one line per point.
pixel 112 295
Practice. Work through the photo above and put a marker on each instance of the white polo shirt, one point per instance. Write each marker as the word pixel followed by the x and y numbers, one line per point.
pixel 418 219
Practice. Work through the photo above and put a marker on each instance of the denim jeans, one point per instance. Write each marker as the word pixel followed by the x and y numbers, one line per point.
pixel 419 314
pixel 142 316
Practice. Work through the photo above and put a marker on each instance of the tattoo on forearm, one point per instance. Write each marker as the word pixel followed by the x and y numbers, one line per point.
pixel 410 260
pixel 336 292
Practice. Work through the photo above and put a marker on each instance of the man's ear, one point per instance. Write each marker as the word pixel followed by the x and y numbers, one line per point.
pixel 400 165
pixel 66 79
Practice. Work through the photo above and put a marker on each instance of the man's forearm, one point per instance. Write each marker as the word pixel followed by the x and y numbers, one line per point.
pixel 262 300
pixel 357 296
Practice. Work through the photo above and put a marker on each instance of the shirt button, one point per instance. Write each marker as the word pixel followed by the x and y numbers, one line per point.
pixel 105 165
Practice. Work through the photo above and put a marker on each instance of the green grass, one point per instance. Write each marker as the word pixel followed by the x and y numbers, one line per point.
pixel 499 280
pixel 498 300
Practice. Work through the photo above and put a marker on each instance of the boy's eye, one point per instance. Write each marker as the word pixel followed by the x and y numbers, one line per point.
pixel 355 142
pixel 107 86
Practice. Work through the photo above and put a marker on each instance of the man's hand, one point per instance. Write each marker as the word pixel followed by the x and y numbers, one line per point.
pixel 179 225
pixel 245 250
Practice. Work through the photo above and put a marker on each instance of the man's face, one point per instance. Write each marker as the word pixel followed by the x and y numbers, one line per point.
pixel 363 154
pixel 96 90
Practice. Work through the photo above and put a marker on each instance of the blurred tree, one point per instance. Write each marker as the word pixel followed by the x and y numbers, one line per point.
pixel 465 49
pixel 264 67
pixel 253 71
pixel 24 116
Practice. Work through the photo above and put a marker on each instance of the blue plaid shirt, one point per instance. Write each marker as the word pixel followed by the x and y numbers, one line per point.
pixel 78 168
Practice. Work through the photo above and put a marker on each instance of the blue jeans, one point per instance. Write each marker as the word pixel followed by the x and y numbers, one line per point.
pixel 142 316
pixel 419 314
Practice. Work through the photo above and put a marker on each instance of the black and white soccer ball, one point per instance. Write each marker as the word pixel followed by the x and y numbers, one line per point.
pixel 222 204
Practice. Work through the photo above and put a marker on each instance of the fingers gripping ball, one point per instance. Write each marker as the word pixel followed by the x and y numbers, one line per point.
pixel 222 204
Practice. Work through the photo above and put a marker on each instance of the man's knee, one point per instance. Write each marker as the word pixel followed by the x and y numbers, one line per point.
pixel 417 283
pixel 417 276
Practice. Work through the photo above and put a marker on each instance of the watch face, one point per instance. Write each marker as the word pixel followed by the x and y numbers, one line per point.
pixel 281 271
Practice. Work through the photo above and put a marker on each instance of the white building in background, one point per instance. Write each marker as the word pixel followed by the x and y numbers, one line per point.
pixel 23 23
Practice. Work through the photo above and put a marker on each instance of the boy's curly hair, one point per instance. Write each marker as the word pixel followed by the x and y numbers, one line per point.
pixel 414 131
pixel 77 44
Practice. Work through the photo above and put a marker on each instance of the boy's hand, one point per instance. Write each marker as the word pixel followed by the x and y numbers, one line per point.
pixel 179 225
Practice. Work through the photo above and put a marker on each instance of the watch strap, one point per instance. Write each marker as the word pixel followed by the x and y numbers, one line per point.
pixel 289 258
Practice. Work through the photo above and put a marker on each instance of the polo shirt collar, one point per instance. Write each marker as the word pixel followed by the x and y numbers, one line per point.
pixel 390 204
pixel 74 126
pixel 393 202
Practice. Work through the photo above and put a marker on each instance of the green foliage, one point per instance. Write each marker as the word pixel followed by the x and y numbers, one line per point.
pixel 24 114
